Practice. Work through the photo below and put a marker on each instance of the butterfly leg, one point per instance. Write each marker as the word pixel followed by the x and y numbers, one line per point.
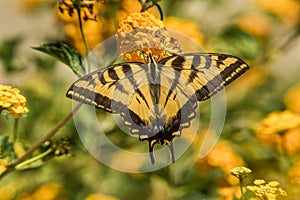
pixel 170 145
pixel 151 148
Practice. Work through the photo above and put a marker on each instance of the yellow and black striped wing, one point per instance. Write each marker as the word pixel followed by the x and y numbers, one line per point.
pixel 158 99
pixel 206 73
pixel 106 88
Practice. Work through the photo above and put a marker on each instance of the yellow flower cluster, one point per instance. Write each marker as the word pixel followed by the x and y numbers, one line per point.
pixel 12 100
pixel 268 191
pixel 142 33
pixel 240 172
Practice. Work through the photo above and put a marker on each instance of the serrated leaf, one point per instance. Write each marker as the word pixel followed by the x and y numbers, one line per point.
pixel 65 54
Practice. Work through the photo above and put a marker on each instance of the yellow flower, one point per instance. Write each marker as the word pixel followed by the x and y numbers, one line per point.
pixel 93 27
pixel 98 196
pixel 240 172
pixel 226 193
pixel 133 6
pixel 281 130
pixel 292 98
pixel 278 122
pixel 294 173
pixel 257 24
pixel 12 100
pixel 268 191
pixel 3 165
pixel 48 191
pixel 226 162
pixel 141 34
pixel 286 10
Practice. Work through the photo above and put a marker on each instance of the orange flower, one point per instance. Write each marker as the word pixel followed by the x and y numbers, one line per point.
pixel 141 34
pixel 229 160
pixel 280 129
pixel 98 196
pixel 257 24
pixel 48 191
pixel 286 10
pixel 226 193
pixel 294 173
pixel 186 27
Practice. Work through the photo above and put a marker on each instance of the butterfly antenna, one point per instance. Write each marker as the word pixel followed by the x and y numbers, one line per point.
pixel 170 145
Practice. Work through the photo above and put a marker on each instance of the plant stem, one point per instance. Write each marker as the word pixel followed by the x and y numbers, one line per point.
pixel 84 39
pixel 241 188
pixel 23 165
pixel 15 131
pixel 46 137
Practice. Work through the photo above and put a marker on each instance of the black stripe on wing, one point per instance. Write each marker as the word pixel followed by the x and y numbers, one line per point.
pixel 207 73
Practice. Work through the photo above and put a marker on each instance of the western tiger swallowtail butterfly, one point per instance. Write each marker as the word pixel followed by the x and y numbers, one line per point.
pixel 157 99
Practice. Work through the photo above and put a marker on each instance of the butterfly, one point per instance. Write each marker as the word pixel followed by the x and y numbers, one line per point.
pixel 158 99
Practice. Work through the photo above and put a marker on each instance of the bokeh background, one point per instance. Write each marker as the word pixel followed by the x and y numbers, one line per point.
pixel 262 128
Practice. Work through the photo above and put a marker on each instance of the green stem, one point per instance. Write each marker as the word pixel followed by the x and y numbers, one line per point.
pixel 15 131
pixel 84 39
pixel 46 137
pixel 241 188
pixel 23 165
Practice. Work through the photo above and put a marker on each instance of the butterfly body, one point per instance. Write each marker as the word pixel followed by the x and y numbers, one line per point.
pixel 158 99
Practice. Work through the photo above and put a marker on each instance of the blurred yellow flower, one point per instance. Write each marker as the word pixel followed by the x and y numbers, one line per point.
pixel 29 5
pixel 226 193
pixel 286 10
pixel 13 101
pixel 186 27
pixel 8 191
pixel 294 173
pixel 48 191
pixel 281 130
pixel 229 160
pixel 93 27
pixel 98 196
pixel 278 122
pixel 256 24
pixel 268 191
pixel 3 165
pixel 292 98
pixel 133 6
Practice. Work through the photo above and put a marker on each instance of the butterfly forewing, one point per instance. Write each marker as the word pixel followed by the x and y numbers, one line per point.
pixel 207 73
pixel 106 88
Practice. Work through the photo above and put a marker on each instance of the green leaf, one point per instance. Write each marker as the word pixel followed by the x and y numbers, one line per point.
pixel 65 54
pixel 8 54
pixel 6 149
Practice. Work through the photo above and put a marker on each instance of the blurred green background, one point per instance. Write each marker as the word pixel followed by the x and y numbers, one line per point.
pixel 260 131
